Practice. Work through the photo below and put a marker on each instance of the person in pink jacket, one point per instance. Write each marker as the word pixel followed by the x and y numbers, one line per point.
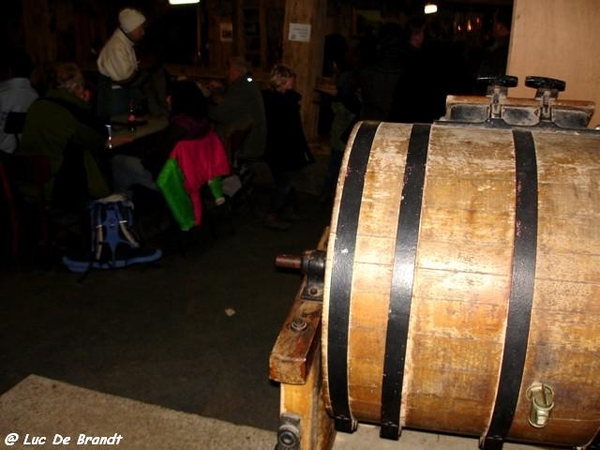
pixel 188 138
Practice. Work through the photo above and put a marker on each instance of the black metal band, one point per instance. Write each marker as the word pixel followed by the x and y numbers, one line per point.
pixel 521 291
pixel 595 444
pixel 407 236
pixel 341 277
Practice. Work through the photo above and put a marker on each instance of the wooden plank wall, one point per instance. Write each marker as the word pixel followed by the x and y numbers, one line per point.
pixel 558 39
pixel 62 29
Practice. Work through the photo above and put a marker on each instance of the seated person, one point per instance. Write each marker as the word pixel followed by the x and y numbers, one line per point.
pixel 16 93
pixel 187 121
pixel 240 105
pixel 62 126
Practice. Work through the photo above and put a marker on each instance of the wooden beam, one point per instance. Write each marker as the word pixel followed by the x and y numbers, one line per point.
pixel 295 362
pixel 306 57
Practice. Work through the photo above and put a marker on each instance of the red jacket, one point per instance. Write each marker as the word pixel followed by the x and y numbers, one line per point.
pixel 200 160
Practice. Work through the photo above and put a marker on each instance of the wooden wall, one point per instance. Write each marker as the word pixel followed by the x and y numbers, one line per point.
pixel 554 38
pixel 558 39
pixel 306 57
pixel 63 29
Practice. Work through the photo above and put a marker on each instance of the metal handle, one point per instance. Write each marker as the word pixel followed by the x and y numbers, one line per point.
pixel 504 80
pixel 545 83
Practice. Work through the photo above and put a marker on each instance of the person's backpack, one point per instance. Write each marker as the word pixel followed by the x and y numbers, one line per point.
pixel 113 241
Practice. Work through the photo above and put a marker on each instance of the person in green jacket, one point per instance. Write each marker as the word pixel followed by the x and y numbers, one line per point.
pixel 62 126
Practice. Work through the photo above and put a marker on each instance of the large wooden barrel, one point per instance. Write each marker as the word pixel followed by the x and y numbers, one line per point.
pixel 463 268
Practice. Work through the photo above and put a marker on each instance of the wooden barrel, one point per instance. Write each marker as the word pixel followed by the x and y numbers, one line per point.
pixel 463 268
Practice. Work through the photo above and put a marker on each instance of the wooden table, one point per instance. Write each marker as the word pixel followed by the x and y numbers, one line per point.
pixel 148 126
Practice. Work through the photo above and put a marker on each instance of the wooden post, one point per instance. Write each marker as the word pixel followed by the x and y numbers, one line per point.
pixel 306 57
pixel 557 39
pixel 237 18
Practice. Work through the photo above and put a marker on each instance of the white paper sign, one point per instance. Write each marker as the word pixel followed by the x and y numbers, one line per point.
pixel 226 31
pixel 299 32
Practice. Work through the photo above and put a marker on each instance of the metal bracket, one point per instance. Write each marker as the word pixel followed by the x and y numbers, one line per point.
pixel 547 90
pixel 497 90
pixel 312 264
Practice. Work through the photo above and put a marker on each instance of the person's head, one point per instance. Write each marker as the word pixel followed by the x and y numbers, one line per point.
pixel 502 23
pixel 236 68
pixel 132 23
pixel 16 64
pixel 415 31
pixel 282 78
pixel 67 76
pixel 185 97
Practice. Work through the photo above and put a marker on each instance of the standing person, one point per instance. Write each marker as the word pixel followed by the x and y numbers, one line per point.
pixel 287 149
pixel 121 79
pixel 496 55
pixel 417 97
pixel 378 78
pixel 16 93
pixel 241 104
pixel 346 107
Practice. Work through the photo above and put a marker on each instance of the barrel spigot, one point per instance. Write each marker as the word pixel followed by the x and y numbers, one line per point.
pixel 542 401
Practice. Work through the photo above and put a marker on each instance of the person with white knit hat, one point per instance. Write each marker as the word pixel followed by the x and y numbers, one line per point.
pixel 118 65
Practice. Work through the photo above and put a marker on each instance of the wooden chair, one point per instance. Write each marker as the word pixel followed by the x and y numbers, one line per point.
pixel 34 170
pixel 8 199
pixel 14 124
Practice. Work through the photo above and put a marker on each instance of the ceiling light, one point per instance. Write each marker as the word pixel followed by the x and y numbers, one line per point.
pixel 430 8
pixel 183 2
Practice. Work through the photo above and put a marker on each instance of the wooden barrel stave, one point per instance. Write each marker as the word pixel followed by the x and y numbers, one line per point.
pixel 561 344
pixel 374 263
pixel 462 282
pixel 456 353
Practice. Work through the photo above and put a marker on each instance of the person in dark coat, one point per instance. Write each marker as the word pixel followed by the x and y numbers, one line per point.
pixel 417 96
pixel 287 150
pixel 496 56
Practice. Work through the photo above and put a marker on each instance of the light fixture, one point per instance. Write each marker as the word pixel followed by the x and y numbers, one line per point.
pixel 183 2
pixel 430 8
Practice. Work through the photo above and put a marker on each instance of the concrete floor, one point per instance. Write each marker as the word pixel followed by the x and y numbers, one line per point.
pixel 60 413
pixel 192 334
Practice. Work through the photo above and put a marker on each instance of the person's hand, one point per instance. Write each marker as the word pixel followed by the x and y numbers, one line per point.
pixel 119 140
pixel 215 85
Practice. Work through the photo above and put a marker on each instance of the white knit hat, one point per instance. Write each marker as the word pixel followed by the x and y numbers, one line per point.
pixel 130 19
